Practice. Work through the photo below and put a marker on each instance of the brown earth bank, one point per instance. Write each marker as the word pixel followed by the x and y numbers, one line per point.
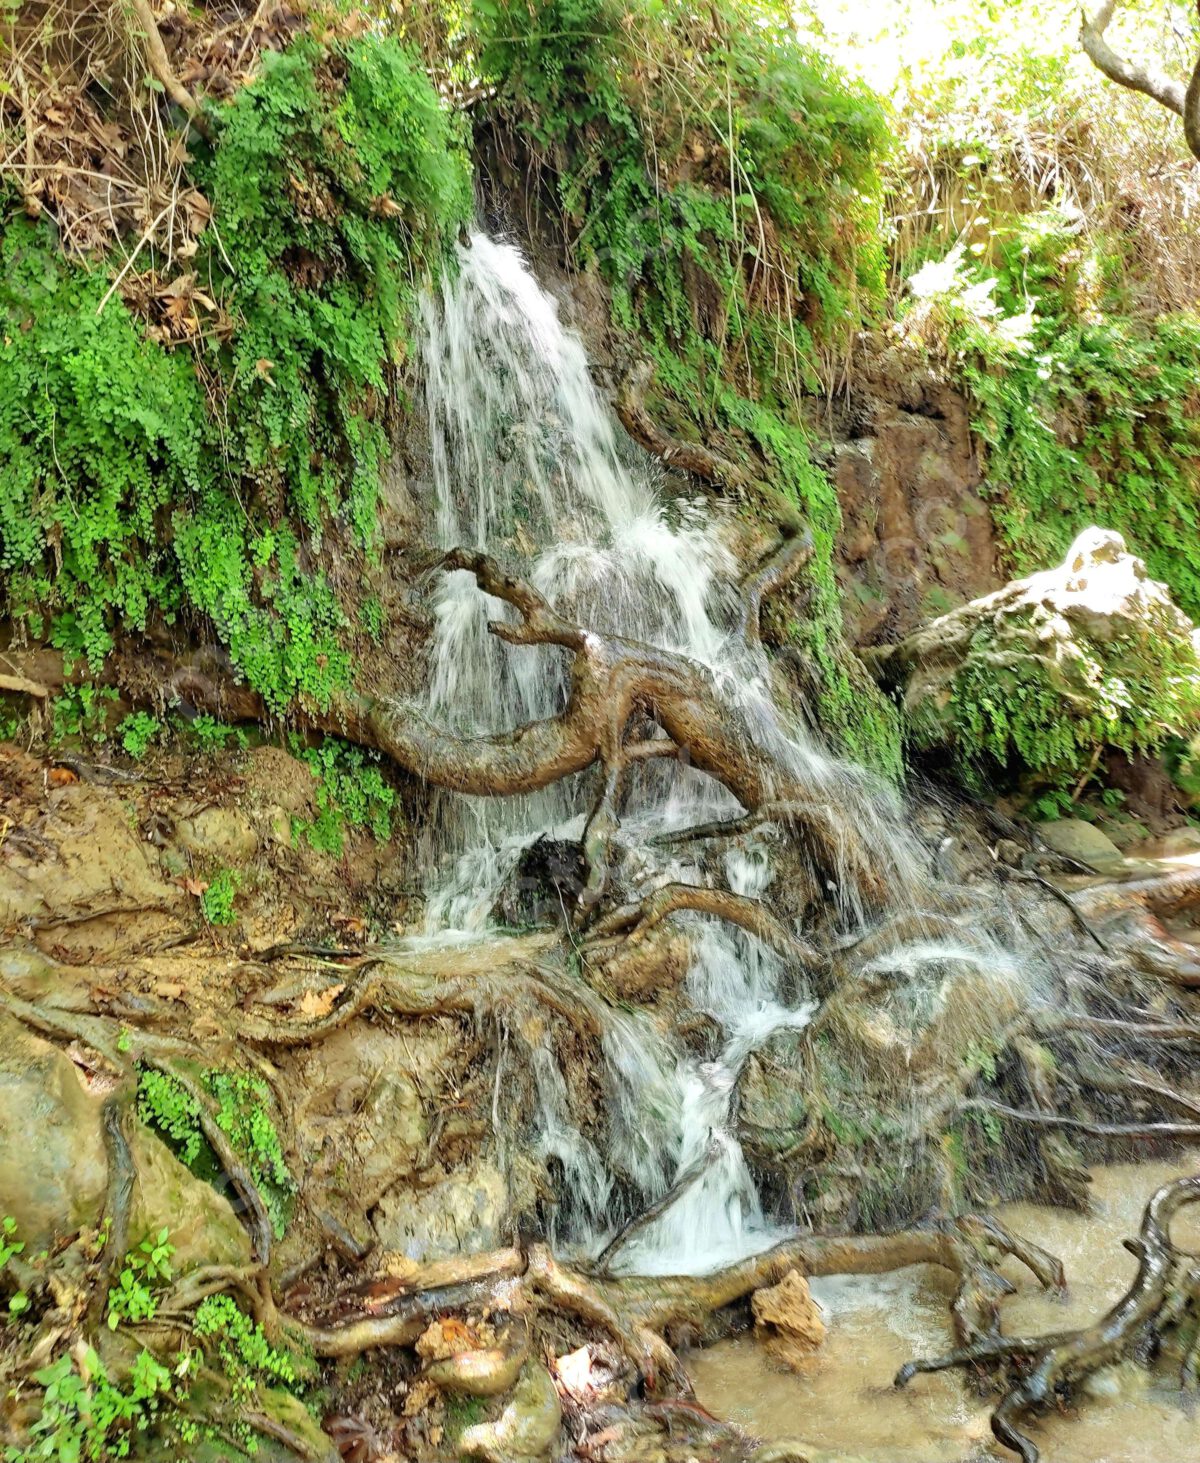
pixel 408 1238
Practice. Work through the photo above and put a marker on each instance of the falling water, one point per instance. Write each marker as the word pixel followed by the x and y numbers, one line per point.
pixel 526 464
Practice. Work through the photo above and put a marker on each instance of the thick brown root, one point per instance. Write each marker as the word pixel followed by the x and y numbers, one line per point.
pixel 1055 1364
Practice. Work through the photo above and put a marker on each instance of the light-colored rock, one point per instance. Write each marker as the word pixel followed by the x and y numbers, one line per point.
pixel 1083 842
pixel 467 1212
pixel 1083 632
pixel 217 835
pixel 54 1169
pixel 788 1320
pixel 527 1427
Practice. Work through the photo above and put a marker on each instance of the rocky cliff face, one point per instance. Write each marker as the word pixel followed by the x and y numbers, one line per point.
pixel 917 534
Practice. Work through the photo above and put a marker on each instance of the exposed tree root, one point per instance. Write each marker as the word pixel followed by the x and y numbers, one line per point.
pixel 637 920
pixel 1053 1365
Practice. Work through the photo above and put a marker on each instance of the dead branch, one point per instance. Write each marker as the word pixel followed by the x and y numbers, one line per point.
pixel 1169 93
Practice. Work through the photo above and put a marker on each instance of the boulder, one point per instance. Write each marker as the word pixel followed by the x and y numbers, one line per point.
pixel 54 1169
pixel 1083 842
pixel 788 1320
pixel 527 1427
pixel 1036 674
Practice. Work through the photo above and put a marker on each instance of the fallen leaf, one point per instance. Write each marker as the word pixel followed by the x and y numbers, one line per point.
pixel 315 1004
pixel 193 886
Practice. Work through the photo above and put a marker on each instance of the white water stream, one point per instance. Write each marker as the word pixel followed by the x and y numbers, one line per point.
pixel 526 463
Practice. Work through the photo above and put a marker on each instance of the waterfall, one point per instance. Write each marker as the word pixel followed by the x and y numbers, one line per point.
pixel 526 464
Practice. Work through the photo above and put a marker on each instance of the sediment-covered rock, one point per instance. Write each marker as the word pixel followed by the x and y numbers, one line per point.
pixel 1045 673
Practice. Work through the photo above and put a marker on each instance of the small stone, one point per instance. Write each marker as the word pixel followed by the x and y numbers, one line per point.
pixel 527 1427
pixel 789 1320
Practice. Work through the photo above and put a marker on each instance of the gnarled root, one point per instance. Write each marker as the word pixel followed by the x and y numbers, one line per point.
pixel 1164 1288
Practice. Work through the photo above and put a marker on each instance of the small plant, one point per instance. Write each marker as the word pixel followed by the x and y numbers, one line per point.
pixel 148 1267
pixel 80 713
pixel 217 899
pixel 350 792
pixel 243 1115
pixel 981 1057
pixel 10 1245
pixel 245 1354
pixel 212 735
pixel 167 1105
pixel 371 614
pixel 88 1418
pixel 137 732
pixel 242 1112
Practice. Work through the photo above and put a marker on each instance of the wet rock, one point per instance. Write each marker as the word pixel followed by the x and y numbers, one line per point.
pixel 788 1320
pixel 391 1132
pixel 1083 842
pixel 54 1170
pixel 545 884
pixel 218 835
pixel 527 1427
pixel 467 1212
pixel 204 1228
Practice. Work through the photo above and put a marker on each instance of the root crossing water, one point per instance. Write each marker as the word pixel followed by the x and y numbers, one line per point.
pixel 527 465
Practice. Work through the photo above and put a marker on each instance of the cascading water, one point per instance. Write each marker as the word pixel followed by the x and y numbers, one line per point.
pixel 526 464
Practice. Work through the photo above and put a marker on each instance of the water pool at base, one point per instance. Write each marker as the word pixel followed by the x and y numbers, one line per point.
pixel 845 1409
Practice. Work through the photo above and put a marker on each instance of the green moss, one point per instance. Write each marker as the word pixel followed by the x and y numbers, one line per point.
pixel 140 482
pixel 723 181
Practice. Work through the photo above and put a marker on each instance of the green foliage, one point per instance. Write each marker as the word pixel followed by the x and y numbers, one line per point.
pixel 88 1418
pixel 211 735
pixel 133 1296
pixel 245 1355
pixel 131 487
pixel 10 1245
pixel 167 1105
pixel 217 899
pixel 350 792
pixel 1134 696
pixel 723 180
pixel 80 713
pixel 137 732
pixel 242 1113
pixel 1088 414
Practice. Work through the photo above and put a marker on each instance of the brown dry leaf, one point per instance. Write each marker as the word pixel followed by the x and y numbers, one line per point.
pixel 349 924
pixel 264 368
pixel 315 1004
pixel 193 886
pixel 446 1337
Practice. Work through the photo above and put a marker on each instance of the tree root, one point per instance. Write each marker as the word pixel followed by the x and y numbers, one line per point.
pixel 254 1211
pixel 637 920
pixel 118 1202
pixel 1054 1364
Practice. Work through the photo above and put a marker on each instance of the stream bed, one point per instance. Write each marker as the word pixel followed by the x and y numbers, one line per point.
pixel 845 1403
